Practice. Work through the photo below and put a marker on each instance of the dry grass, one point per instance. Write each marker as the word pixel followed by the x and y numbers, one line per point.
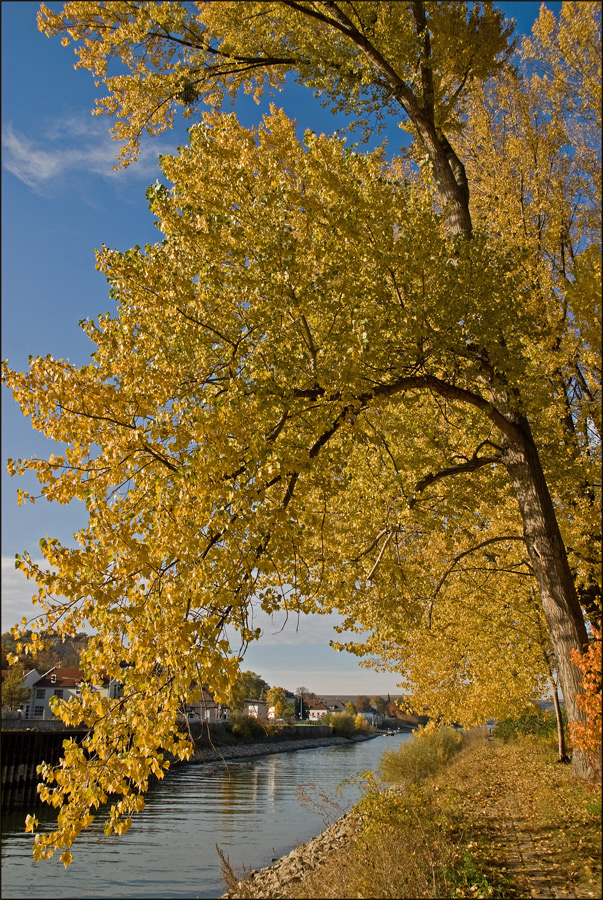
pixel 429 750
pixel 404 858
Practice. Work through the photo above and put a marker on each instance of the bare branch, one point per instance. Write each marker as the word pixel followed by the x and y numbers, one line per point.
pixel 309 342
pixel 381 552
pixel 372 545
pixel 457 559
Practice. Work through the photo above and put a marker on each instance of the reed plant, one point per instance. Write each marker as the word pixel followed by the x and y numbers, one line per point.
pixel 429 749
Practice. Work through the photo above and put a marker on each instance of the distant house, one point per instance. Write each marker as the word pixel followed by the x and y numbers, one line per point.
pixel 316 709
pixel 60 681
pixel 290 697
pixel 31 677
pixel 207 710
pixel 256 708
pixel 372 716
pixel 63 682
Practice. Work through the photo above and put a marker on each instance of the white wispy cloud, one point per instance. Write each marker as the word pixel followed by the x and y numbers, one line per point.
pixel 70 146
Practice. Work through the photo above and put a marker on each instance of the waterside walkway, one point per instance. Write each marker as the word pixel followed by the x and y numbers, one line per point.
pixel 504 807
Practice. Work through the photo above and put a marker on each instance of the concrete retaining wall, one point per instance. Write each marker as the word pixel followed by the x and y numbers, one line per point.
pixel 210 734
pixel 22 751
pixel 36 725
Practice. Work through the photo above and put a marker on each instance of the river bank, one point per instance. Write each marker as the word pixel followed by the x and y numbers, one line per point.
pixel 274 882
pixel 255 810
pixel 499 821
pixel 241 751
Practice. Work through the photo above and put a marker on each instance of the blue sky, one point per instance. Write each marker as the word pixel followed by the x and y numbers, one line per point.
pixel 61 199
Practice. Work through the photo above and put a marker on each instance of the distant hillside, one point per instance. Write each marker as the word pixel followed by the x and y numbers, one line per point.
pixel 60 653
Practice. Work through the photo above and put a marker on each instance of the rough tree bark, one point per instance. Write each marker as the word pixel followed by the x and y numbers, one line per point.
pixel 549 560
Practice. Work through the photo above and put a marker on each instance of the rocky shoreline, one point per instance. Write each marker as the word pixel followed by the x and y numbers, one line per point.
pixel 271 882
pixel 237 752
pixel 274 882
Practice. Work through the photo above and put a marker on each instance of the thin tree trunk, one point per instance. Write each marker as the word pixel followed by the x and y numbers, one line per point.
pixel 549 560
pixel 563 757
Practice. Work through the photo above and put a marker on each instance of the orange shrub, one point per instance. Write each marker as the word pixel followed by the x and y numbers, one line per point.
pixel 587 735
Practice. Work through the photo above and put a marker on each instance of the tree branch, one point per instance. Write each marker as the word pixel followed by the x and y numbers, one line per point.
pixel 418 10
pixel 457 559
pixel 470 466
pixel 381 552
pixel 371 546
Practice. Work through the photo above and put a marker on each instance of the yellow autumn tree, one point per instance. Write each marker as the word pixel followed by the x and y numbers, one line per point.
pixel 336 380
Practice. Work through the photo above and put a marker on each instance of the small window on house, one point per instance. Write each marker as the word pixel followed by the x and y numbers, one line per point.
pixel 58 692
pixel 40 693
pixel 53 679
pixel 39 712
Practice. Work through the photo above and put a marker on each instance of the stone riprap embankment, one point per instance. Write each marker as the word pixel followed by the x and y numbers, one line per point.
pixel 227 752
pixel 274 882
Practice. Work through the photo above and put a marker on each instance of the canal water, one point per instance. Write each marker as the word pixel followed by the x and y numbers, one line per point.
pixel 251 809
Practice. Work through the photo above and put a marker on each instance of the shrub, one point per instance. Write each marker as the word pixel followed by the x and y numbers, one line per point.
pixel 247 727
pixel 428 750
pixel 343 724
pixel 361 724
pixel 540 723
pixel 588 736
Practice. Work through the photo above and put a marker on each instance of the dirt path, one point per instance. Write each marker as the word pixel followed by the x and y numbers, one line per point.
pixel 528 864
pixel 515 821
pixel 519 854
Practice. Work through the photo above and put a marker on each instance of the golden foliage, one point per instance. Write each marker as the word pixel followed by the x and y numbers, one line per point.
pixel 306 396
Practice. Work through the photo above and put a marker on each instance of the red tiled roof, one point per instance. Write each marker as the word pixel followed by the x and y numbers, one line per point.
pixel 66 676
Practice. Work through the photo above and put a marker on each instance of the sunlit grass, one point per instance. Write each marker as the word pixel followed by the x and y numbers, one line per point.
pixel 439 831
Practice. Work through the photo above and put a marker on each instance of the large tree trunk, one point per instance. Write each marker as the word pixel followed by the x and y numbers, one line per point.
pixel 549 561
